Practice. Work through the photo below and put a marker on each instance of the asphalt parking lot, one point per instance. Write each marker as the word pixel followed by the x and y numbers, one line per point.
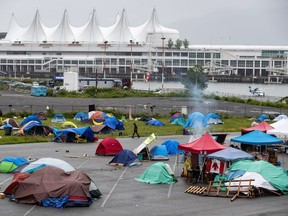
pixel 122 194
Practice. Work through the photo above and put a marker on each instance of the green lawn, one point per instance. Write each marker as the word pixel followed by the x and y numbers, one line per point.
pixel 230 125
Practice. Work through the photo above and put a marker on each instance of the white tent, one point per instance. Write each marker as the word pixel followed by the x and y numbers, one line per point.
pixel 280 129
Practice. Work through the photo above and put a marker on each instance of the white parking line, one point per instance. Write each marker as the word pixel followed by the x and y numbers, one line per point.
pixel 5 180
pixel 103 204
pixel 30 210
pixel 174 171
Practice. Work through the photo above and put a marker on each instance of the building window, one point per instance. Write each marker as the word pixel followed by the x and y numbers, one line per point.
pixel 184 62
pixel 98 61
pixel 200 62
pixel 121 61
pixel 249 63
pixel 257 63
pixel 184 54
pixel 224 62
pixel 67 62
pixel 207 55
pixel 192 55
pixel 176 62
pixel 216 55
pixel 265 63
pixel 113 61
pixel 200 55
pixel 241 63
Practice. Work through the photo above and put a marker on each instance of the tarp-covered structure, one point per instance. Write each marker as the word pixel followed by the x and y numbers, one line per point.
pixel 204 145
pixel 74 134
pixel 52 187
pixel 33 128
pixel 30 118
pixel 263 126
pixel 158 173
pixel 154 122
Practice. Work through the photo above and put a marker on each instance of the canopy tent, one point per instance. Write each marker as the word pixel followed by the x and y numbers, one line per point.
pixel 204 145
pixel 158 173
pixel 280 129
pixel 230 154
pixel 109 146
pixel 279 124
pixel 125 158
pixel 71 189
pixel 257 137
pixel 263 126
pixel 11 164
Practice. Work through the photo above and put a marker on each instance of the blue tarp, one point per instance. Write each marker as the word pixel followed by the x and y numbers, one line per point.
pixel 172 147
pixel 114 123
pixel 212 118
pixel 159 150
pixel 154 122
pixel 196 120
pixel 125 157
pixel 31 118
pixel 257 138
pixel 230 154
pixel 262 117
pixel 86 132
pixel 17 161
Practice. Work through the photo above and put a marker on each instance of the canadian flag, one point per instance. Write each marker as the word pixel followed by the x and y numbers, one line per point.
pixel 215 166
pixel 147 76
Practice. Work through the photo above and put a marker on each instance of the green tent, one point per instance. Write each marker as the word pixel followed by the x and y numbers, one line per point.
pixel 276 176
pixel 7 167
pixel 158 173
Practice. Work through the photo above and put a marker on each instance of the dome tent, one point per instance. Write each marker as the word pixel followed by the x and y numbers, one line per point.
pixel 125 158
pixel 109 146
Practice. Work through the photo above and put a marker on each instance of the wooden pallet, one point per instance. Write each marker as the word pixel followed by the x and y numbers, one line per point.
pixel 196 190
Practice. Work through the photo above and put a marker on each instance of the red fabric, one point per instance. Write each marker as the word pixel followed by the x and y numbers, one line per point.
pixel 215 166
pixel 109 146
pixel 263 126
pixel 204 145
pixel 17 178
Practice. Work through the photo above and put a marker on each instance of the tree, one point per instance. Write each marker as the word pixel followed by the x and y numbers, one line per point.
pixel 195 79
pixel 178 44
pixel 170 43
pixel 186 44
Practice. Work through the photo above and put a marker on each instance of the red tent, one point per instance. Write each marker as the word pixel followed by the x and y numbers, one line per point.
pixel 204 145
pixel 109 146
pixel 263 126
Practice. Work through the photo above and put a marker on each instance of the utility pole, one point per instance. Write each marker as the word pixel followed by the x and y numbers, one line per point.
pixel 131 71
pixel 104 62
pixel 163 53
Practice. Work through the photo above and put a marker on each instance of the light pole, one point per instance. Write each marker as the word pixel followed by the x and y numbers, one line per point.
pixel 163 53
pixel 104 64
pixel 131 71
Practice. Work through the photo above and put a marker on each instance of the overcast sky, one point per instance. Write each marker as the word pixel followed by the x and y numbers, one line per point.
pixel 235 22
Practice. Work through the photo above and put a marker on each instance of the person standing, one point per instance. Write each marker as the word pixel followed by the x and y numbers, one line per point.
pixel 1 116
pixel 135 131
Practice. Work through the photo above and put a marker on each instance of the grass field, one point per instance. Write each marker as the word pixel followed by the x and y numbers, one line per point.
pixel 230 125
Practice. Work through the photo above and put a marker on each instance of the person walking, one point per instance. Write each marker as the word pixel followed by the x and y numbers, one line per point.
pixel 135 131
pixel 1 116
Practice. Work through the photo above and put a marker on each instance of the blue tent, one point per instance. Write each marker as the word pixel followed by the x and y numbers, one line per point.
pixel 172 147
pixel 262 117
pixel 159 150
pixel 58 118
pixel 81 116
pixel 125 158
pixel 257 137
pixel 196 120
pixel 31 118
pixel 212 118
pixel 114 123
pixel 230 154
pixel 154 122
pixel 69 134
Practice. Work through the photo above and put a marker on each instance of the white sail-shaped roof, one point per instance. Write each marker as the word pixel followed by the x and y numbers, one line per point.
pixel 121 31
pixel 62 32
pixel 35 32
pixel 152 30
pixel 15 31
pixel 90 32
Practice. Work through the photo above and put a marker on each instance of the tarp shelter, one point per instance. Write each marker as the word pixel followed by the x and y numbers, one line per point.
pixel 196 120
pixel 66 190
pixel 213 118
pixel 258 138
pixel 276 176
pixel 204 145
pixel 33 128
pixel 75 134
pixel 10 164
pixel 81 116
pixel 30 118
pixel 158 173
pixel 58 118
pixel 114 123
pixel 262 126
pixel 230 154
pixel 154 122
pixel 43 162
pixel 109 146
pixel 172 147
pixel 125 158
